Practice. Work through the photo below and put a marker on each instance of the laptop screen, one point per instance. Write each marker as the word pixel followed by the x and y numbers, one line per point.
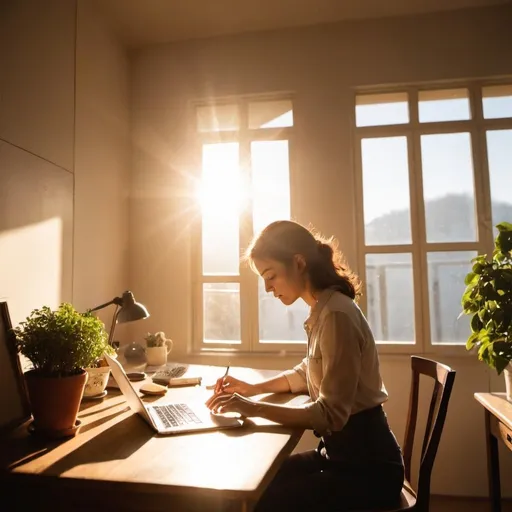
pixel 126 387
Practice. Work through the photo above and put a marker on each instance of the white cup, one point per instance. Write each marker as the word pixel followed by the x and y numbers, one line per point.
pixel 157 356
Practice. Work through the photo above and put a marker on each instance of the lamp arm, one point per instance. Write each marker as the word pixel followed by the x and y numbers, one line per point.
pixel 118 301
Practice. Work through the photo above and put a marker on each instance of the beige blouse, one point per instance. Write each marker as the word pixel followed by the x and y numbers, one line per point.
pixel 341 370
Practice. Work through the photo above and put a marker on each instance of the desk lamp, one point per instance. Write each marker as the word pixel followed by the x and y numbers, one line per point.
pixel 127 310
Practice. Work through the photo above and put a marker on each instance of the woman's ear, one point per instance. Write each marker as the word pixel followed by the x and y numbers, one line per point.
pixel 300 263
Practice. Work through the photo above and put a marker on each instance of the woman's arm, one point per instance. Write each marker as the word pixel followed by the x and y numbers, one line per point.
pixel 283 414
pixel 341 366
pixel 277 384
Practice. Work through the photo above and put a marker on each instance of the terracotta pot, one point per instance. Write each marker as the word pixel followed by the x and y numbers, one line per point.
pixel 55 400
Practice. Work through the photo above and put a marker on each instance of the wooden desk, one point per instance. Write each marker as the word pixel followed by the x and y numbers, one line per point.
pixel 498 425
pixel 117 462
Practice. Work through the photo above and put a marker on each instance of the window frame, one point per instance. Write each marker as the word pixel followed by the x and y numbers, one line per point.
pixel 477 127
pixel 248 280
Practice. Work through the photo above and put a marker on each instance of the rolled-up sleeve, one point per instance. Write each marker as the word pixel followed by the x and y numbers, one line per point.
pixel 296 377
pixel 340 343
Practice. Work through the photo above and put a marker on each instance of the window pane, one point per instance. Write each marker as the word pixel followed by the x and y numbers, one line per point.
pixel 448 187
pixel 497 101
pixel 221 317
pixel 280 323
pixel 446 273
pixel 446 105
pixel 499 151
pixel 387 218
pixel 382 109
pixel 271 201
pixel 217 118
pixel 270 114
pixel 270 182
pixel 389 288
pixel 220 203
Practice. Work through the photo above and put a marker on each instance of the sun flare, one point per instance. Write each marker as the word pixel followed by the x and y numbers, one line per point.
pixel 221 192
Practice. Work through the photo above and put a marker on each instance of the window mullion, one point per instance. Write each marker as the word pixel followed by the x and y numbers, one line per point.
pixel 196 266
pixel 361 245
pixel 247 315
pixel 481 174
pixel 418 227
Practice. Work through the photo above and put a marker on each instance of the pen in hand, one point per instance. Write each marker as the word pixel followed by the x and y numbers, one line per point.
pixel 224 377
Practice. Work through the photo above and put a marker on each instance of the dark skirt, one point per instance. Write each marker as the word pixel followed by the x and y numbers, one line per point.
pixel 360 467
pixel 365 440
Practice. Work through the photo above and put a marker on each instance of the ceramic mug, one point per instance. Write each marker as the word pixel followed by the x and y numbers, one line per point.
pixel 157 356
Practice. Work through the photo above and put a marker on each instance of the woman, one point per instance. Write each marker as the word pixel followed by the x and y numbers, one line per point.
pixel 358 463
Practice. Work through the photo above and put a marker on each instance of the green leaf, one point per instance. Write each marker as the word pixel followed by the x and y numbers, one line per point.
pixel 501 363
pixel 504 226
pixel 470 278
pixel 485 355
pixel 478 267
pixel 476 323
pixel 470 343
pixel 504 241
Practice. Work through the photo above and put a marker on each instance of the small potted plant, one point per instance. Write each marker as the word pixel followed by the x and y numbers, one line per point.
pixel 488 299
pixel 157 348
pixel 97 376
pixel 60 344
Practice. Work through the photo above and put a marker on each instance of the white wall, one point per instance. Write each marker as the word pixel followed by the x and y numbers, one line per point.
pixel 64 157
pixel 320 66
pixel 102 164
pixel 43 142
pixel 37 62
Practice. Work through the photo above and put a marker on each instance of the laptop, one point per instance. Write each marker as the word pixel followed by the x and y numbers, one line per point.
pixel 170 418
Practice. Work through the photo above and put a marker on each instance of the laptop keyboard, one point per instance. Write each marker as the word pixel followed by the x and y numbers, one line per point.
pixel 175 415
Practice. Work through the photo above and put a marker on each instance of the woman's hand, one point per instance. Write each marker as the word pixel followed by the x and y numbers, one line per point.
pixel 225 402
pixel 231 385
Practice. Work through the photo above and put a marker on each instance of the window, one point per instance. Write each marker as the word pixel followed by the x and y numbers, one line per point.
pixel 246 149
pixel 434 168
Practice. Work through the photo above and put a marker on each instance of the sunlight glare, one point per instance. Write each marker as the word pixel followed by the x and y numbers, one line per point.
pixel 221 192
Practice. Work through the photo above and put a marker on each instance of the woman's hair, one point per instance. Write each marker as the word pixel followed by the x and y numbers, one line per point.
pixel 283 239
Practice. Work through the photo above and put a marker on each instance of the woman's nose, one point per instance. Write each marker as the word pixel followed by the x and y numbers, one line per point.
pixel 268 287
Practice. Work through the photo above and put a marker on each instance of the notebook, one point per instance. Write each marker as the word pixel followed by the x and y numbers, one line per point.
pixel 170 418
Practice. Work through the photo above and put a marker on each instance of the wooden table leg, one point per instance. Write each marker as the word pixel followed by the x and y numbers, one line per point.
pixel 493 465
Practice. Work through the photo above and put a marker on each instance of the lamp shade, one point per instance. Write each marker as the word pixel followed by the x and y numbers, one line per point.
pixel 131 310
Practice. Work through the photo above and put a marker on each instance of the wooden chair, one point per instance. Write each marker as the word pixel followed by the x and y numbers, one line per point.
pixel 444 376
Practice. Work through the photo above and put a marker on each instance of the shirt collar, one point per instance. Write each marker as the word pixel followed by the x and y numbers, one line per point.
pixel 322 299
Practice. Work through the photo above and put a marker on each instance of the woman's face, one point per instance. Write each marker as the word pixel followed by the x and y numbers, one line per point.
pixel 286 283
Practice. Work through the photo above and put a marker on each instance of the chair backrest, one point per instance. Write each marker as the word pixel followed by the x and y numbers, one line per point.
pixel 443 377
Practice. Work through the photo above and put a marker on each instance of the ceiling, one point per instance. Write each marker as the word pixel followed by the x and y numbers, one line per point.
pixel 144 22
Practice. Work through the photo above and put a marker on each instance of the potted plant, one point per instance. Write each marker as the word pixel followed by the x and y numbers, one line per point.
pixel 158 348
pixel 97 375
pixel 60 344
pixel 488 299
